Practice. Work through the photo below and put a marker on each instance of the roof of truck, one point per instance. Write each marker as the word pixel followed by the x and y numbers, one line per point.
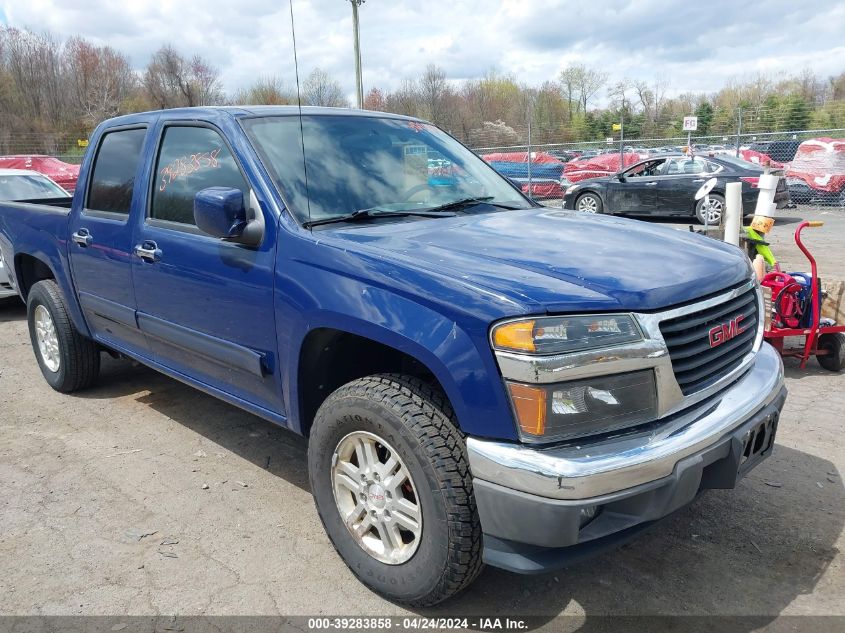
pixel 200 112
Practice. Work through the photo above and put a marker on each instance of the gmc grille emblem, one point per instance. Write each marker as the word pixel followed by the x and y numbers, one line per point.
pixel 726 331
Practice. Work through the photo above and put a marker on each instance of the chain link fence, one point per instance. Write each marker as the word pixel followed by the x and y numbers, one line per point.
pixel 66 147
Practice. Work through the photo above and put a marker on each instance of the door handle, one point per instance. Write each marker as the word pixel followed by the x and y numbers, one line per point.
pixel 699 180
pixel 148 251
pixel 651 184
pixel 83 238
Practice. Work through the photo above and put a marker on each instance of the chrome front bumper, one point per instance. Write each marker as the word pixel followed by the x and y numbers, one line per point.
pixel 596 468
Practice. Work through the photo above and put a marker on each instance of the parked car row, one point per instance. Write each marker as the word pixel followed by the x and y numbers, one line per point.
pixel 814 169
pixel 666 186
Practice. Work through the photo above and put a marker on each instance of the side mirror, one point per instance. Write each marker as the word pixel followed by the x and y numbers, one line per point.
pixel 621 177
pixel 220 212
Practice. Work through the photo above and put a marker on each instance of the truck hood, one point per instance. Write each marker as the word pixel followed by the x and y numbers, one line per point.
pixel 558 260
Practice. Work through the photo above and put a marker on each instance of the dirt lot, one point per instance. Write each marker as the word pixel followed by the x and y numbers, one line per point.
pixel 144 496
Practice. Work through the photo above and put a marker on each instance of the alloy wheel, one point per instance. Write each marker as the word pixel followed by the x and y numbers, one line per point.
pixel 588 204
pixel 376 497
pixel 48 340
pixel 712 210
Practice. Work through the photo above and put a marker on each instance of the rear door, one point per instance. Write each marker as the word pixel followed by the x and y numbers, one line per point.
pixel 206 305
pixel 100 247
pixel 684 176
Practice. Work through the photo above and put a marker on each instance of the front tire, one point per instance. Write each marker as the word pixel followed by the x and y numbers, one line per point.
pixel 710 213
pixel 68 360
pixel 834 343
pixel 415 541
pixel 589 203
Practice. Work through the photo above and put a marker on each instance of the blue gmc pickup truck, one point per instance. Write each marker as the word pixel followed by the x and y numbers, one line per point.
pixel 480 379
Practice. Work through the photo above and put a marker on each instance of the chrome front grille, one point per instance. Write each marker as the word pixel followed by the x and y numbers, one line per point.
pixel 707 344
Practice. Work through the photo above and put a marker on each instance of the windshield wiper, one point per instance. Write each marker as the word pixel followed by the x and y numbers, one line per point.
pixel 431 212
pixel 375 212
pixel 465 202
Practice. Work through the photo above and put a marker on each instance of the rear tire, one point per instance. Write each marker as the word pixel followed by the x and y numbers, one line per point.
pixel 714 211
pixel 835 345
pixel 589 203
pixel 68 360
pixel 411 421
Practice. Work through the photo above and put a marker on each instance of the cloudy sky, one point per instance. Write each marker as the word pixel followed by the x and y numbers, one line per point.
pixel 697 46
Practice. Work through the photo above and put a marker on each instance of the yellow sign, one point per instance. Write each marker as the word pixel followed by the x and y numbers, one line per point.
pixel 82 142
pixel 617 127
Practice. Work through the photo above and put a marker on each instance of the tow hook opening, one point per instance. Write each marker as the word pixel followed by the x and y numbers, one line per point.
pixel 588 514
pixel 758 440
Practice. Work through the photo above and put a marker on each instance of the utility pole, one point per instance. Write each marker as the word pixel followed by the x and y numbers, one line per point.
pixel 359 85
pixel 530 115
pixel 621 140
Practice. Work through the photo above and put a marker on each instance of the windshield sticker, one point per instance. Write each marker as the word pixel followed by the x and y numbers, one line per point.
pixel 185 166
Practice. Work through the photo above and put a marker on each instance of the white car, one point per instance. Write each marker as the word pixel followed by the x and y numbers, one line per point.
pixel 23 184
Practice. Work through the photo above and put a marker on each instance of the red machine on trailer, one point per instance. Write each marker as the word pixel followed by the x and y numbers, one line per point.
pixel 789 317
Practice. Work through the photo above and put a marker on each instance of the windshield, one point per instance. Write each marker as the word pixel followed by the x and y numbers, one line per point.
pixel 356 162
pixel 29 187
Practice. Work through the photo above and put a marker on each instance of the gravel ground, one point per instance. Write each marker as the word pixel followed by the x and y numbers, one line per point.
pixel 145 496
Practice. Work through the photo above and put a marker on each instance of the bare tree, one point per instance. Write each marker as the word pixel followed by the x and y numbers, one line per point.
pixel 589 83
pixel 405 100
pixel 165 80
pixel 652 99
pixel 34 64
pixel 618 93
pixel 321 89
pixel 581 83
pixel 98 78
pixel 375 100
pixel 171 80
pixel 569 86
pixel 266 91
pixel 433 93
pixel 205 82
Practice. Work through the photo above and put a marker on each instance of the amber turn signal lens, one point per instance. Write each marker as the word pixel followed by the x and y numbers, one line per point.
pixel 529 404
pixel 518 335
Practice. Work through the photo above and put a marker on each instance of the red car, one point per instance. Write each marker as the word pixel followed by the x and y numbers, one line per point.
pixel 63 174
pixel 817 173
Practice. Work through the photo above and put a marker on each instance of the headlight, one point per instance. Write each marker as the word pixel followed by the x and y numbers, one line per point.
pixel 589 406
pixel 570 189
pixel 558 335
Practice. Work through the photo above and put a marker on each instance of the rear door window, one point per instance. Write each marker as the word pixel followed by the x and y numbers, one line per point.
pixel 191 159
pixel 115 166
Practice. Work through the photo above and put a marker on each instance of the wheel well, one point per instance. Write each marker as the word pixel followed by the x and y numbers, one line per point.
pixel 581 194
pixel 330 358
pixel 30 270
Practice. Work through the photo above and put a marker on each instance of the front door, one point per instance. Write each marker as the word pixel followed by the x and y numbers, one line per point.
pixel 101 241
pixel 637 193
pixel 206 305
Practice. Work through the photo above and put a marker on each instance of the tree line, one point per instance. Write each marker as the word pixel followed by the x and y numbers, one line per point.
pixel 50 88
